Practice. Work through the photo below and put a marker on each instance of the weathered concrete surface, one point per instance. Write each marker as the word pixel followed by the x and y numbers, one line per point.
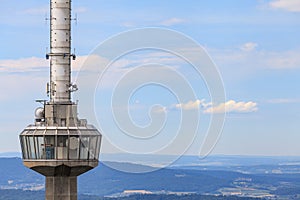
pixel 61 188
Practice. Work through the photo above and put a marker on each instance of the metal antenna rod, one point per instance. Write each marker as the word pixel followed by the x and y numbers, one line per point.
pixel 60 51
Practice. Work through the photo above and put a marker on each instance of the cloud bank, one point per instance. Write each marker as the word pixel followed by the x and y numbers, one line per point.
pixel 30 64
pixel 230 106
pixel 249 46
pixel 288 5
pixel 191 105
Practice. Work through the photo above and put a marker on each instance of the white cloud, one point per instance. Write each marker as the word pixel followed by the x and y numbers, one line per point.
pixel 93 66
pixel 288 5
pixel 249 46
pixel 230 106
pixel 233 106
pixel 283 101
pixel 244 63
pixel 282 60
pixel 23 64
pixel 94 63
pixel 37 11
pixel 172 21
pixel 18 84
pixel 191 105
pixel 160 109
pixel 37 64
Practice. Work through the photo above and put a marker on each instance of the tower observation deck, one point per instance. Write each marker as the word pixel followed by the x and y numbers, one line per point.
pixel 59 145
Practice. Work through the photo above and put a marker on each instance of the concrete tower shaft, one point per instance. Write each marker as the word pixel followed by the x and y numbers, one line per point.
pixel 60 51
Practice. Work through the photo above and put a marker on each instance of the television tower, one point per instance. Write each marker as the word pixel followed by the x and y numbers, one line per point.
pixel 59 145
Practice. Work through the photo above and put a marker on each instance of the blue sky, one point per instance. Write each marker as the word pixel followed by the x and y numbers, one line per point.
pixel 254 43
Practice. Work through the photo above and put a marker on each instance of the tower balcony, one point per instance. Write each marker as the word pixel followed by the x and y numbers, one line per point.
pixel 68 151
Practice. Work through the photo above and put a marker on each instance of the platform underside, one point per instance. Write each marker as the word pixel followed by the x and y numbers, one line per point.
pixel 61 168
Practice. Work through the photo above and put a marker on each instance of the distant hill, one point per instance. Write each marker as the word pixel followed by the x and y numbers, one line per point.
pixel 10 155
pixel 13 175
pixel 29 195
pixel 104 181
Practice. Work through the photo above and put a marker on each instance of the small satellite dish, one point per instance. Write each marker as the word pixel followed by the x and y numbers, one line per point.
pixel 39 113
pixel 74 143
